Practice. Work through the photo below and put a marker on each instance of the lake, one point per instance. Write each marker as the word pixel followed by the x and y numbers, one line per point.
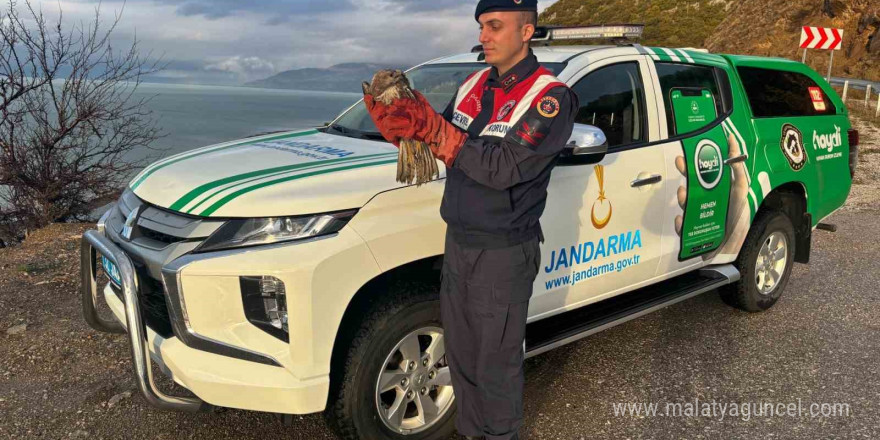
pixel 193 116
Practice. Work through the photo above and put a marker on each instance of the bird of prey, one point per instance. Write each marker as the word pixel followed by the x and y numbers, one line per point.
pixel 415 161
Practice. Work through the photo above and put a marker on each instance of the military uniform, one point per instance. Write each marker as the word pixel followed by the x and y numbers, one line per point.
pixel 499 138
pixel 495 193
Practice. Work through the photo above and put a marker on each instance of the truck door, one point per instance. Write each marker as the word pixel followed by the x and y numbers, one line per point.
pixel 696 127
pixel 602 232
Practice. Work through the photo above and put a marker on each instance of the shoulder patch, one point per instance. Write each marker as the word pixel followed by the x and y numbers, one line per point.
pixel 548 106
pixel 530 132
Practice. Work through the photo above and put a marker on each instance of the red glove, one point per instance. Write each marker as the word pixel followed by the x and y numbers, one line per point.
pixel 393 122
pixel 426 125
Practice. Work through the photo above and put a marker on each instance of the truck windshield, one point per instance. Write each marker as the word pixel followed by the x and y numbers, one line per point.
pixel 437 82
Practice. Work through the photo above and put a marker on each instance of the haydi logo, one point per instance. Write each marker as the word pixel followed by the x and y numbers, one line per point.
pixel 708 166
pixel 708 162
pixel 827 141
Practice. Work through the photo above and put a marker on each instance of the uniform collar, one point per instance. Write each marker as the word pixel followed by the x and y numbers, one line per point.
pixel 517 73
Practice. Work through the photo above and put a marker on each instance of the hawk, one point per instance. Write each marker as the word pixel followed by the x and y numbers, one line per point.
pixel 415 161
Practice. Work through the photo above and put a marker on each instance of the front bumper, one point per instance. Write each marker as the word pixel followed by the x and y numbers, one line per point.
pixel 214 377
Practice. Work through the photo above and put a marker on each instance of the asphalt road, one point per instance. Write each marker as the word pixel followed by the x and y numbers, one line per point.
pixel 819 344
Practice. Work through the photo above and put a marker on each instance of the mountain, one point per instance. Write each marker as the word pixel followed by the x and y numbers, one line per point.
pixel 346 77
pixel 667 22
pixel 756 27
pixel 773 28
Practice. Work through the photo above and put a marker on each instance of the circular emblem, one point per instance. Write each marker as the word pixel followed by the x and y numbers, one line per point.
pixel 505 109
pixel 548 106
pixel 792 144
pixel 517 1
pixel 707 162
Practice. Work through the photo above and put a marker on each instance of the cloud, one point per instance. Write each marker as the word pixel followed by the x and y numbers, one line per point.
pixel 415 6
pixel 431 5
pixel 231 42
pixel 276 11
pixel 246 68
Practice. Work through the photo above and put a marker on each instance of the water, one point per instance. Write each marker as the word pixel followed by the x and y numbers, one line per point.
pixel 193 116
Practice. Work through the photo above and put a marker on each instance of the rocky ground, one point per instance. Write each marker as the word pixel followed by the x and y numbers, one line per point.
pixel 866 190
pixel 819 344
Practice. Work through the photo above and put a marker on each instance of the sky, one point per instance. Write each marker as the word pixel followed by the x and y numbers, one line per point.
pixel 229 42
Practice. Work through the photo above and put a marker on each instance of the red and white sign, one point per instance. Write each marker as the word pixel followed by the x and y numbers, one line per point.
pixel 821 38
pixel 816 97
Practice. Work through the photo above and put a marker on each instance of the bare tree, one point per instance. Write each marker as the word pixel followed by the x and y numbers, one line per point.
pixel 68 118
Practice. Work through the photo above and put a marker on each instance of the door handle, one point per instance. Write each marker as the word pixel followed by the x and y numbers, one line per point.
pixel 735 159
pixel 652 179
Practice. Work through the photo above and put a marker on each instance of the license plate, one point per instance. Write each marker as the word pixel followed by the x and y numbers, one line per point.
pixel 111 271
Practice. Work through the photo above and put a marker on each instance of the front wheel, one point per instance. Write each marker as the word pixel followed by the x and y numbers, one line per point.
pixel 764 262
pixel 396 384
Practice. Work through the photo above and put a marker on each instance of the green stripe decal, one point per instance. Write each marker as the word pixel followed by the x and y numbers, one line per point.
pixel 263 174
pixel 217 205
pixel 156 167
pixel 201 189
pixel 681 55
pixel 661 54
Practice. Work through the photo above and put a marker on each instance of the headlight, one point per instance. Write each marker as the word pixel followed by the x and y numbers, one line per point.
pixel 238 233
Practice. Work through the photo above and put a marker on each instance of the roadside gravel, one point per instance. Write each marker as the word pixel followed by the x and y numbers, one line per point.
pixel 820 344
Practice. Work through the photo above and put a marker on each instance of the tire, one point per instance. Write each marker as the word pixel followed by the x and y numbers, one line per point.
pixel 353 406
pixel 745 294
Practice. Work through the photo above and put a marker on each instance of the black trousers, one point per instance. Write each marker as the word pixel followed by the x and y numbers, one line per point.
pixel 484 301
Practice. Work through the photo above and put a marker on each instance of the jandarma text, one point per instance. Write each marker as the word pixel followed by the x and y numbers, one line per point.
pixel 741 410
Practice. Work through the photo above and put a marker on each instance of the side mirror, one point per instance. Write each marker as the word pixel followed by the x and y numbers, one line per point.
pixel 586 145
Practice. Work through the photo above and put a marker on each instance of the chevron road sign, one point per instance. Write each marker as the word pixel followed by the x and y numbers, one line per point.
pixel 830 39
pixel 821 38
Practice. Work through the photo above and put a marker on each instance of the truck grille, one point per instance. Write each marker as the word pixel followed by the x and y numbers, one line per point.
pixel 159 237
pixel 151 294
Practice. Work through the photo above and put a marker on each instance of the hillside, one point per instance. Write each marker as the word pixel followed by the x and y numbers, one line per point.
pixel 758 27
pixel 751 28
pixel 667 22
pixel 345 77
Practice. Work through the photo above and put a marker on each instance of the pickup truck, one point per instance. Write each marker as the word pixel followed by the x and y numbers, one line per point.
pixel 291 273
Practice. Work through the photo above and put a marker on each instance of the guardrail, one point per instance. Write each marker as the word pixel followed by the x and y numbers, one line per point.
pixel 856 84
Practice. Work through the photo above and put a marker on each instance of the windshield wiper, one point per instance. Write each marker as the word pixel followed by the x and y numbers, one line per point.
pixel 375 135
pixel 345 131
pixel 359 134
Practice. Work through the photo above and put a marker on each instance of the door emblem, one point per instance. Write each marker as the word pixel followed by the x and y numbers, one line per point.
pixel 792 144
pixel 601 201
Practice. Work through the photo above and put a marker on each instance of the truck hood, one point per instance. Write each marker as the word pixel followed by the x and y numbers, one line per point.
pixel 291 173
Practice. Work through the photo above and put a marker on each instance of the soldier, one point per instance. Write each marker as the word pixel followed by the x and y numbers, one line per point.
pixel 500 137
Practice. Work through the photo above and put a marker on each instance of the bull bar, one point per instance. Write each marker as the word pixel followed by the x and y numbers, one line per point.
pixel 92 243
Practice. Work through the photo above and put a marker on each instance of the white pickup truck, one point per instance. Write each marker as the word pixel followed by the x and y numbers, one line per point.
pixel 291 273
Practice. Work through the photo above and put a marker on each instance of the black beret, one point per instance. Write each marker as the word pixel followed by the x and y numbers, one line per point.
pixel 505 5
